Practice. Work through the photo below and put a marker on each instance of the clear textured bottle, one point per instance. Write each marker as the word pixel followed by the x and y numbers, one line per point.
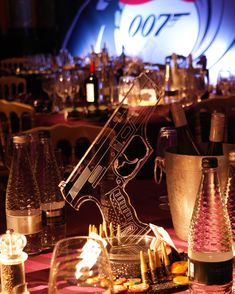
pixel 230 193
pixel 215 146
pixel 52 203
pixel 186 144
pixel 210 244
pixel 23 213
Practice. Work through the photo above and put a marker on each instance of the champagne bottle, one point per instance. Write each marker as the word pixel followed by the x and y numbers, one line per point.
pixel 210 244
pixel 92 86
pixel 186 144
pixel 175 71
pixel 215 146
pixel 170 92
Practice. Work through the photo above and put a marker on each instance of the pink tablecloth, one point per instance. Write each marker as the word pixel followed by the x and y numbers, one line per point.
pixel 37 267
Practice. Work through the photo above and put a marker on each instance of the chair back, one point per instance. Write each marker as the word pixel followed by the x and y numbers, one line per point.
pixel 15 117
pixel 13 64
pixel 72 140
pixel 199 116
pixel 10 86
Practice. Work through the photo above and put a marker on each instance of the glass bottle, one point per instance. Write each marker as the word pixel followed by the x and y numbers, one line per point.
pixel 230 193
pixel 23 213
pixel 52 203
pixel 170 92
pixel 210 244
pixel 175 71
pixel 215 146
pixel 92 86
pixel 186 144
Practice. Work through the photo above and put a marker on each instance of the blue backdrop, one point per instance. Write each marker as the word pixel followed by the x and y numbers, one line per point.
pixel 153 29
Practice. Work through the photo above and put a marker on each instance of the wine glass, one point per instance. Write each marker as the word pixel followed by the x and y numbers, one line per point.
pixel 80 265
pixel 125 84
pixel 48 86
pixel 63 86
pixel 77 78
pixel 167 137
pixel 223 81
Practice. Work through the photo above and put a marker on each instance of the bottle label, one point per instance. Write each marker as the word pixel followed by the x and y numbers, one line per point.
pixel 211 273
pixel 90 93
pixel 25 225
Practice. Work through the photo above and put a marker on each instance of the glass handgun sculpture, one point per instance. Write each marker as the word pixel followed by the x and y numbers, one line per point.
pixel 113 159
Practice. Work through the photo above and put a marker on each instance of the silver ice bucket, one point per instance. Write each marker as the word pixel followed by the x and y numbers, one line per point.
pixel 183 175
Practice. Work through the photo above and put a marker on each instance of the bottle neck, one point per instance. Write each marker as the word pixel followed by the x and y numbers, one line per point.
pixel 92 67
pixel 210 177
pixel 217 130
pixel 178 114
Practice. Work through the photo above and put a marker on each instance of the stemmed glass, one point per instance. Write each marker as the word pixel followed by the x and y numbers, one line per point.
pixel 48 86
pixel 224 81
pixel 77 78
pixel 167 137
pixel 63 86
pixel 80 265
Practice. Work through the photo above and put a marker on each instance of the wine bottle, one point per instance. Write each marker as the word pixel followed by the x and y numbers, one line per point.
pixel 215 146
pixel 186 144
pixel 190 62
pixel 105 77
pixel 210 244
pixel 92 86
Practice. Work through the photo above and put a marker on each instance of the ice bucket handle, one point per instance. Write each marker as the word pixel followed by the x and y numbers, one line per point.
pixel 159 168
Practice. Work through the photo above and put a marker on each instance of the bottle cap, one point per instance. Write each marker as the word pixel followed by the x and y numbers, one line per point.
pixel 232 155
pixel 20 139
pixel 208 162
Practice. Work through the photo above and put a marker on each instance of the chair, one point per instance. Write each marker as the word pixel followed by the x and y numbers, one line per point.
pixel 72 140
pixel 13 64
pixel 15 117
pixel 10 86
pixel 199 116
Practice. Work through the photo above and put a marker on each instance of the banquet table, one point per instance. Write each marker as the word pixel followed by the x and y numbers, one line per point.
pixel 144 195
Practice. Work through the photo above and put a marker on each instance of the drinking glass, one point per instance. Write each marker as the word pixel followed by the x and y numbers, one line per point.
pixel 63 86
pixel 80 265
pixel 167 137
pixel 48 86
pixel 76 80
pixel 223 81
pixel 125 84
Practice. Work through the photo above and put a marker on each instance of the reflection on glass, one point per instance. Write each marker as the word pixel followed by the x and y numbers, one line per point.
pixel 80 265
